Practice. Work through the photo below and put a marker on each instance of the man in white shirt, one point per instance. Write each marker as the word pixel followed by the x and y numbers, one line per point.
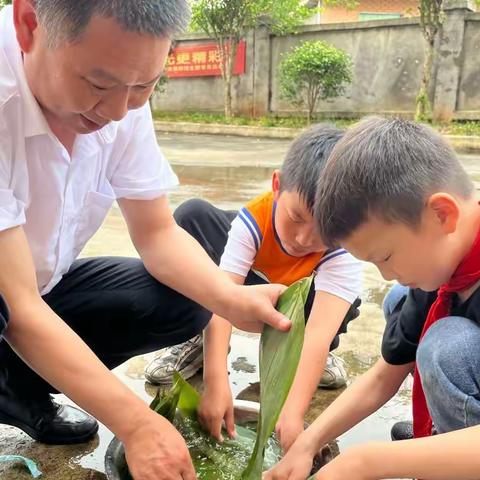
pixel 75 135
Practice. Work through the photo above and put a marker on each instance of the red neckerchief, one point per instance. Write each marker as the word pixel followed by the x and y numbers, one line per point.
pixel 465 276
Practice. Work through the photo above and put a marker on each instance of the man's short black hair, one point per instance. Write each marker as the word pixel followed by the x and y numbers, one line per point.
pixel 66 20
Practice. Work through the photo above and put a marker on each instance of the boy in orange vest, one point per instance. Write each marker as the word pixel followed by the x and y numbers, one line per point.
pixel 273 239
pixel 395 194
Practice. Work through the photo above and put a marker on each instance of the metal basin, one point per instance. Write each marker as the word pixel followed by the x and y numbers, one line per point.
pixel 246 413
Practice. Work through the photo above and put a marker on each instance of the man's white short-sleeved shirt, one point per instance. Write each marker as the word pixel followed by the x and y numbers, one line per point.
pixel 60 200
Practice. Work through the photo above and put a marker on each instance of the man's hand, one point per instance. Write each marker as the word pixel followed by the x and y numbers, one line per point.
pixel 253 306
pixel 288 428
pixel 216 406
pixel 295 465
pixel 156 451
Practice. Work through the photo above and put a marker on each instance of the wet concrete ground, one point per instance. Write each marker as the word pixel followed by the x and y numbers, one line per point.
pixel 226 171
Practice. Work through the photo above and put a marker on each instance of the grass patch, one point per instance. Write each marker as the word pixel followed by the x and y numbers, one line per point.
pixel 470 128
pixel 464 128
pixel 218 118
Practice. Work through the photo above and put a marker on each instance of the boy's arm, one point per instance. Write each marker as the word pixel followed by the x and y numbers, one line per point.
pixel 366 395
pixel 327 314
pixel 216 338
pixel 236 261
pixel 215 344
pixel 216 404
pixel 338 282
pixel 450 456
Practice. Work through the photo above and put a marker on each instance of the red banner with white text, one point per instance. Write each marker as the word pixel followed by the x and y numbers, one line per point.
pixel 201 61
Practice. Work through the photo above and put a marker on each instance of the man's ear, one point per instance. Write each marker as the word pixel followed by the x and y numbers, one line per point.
pixel 25 22
pixel 276 184
pixel 444 210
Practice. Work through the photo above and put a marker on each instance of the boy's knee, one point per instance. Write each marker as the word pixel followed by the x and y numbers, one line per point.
pixel 189 212
pixel 449 351
pixel 396 294
pixel 448 361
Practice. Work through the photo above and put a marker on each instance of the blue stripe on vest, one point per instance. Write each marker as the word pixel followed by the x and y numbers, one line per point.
pixel 254 223
pixel 247 224
pixel 330 255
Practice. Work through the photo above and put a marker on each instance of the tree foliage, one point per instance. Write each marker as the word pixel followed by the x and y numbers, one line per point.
pixel 314 71
pixel 228 21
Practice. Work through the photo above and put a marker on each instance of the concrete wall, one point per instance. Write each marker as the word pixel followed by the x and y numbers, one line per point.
pixel 469 88
pixel 388 61
pixel 387 64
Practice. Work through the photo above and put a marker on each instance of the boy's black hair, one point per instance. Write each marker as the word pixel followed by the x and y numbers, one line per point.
pixel 387 168
pixel 306 159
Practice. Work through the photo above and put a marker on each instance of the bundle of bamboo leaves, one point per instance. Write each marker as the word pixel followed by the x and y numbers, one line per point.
pixel 246 456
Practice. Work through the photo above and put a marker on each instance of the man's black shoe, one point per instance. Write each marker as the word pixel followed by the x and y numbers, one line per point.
pixel 46 421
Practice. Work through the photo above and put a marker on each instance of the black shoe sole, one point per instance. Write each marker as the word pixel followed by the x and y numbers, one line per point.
pixel 402 431
pixel 6 419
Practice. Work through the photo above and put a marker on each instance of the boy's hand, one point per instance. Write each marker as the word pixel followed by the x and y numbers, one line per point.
pixel 253 306
pixel 216 406
pixel 156 451
pixel 288 428
pixel 295 465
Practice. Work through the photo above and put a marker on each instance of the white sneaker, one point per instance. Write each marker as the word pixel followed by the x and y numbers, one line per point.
pixel 334 376
pixel 185 358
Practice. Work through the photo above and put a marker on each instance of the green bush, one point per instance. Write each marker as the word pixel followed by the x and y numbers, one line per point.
pixel 314 71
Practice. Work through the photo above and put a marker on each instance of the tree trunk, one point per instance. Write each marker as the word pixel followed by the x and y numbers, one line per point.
pixel 312 99
pixel 431 18
pixel 311 107
pixel 230 50
pixel 226 63
pixel 228 96
pixel 423 106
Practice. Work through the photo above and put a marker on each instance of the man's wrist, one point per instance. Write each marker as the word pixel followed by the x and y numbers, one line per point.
pixel 138 417
pixel 226 298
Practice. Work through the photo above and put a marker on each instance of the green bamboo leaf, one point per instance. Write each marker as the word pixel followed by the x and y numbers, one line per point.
pixel 189 398
pixel 212 460
pixel 165 403
pixel 279 356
